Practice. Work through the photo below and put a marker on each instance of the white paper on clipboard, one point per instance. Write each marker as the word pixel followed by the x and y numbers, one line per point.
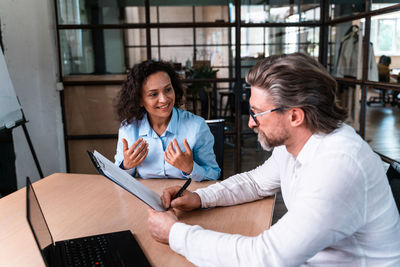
pixel 126 181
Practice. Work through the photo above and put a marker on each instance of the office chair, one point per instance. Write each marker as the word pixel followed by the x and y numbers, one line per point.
pixel 244 100
pixel 393 174
pixel 217 129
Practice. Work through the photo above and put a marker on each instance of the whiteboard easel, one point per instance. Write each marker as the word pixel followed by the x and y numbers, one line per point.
pixel 11 114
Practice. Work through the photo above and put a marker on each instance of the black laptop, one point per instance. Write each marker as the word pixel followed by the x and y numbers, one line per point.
pixel 112 249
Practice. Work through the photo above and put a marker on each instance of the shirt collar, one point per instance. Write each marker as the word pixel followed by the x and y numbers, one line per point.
pixel 145 128
pixel 173 123
pixel 309 148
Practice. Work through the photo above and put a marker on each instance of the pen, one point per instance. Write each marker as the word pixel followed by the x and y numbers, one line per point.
pixel 183 188
pixel 187 183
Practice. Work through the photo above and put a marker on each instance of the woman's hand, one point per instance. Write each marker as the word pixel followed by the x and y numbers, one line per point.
pixel 136 154
pixel 181 160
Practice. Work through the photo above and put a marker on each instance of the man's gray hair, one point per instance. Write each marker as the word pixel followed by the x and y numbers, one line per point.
pixel 297 80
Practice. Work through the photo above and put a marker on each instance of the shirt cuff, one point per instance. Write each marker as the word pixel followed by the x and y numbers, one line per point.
pixel 197 173
pixel 207 198
pixel 129 171
pixel 178 236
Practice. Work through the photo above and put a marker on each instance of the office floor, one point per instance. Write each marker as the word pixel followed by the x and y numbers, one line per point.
pixel 383 130
pixel 382 133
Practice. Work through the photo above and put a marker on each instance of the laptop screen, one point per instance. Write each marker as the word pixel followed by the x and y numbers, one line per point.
pixel 36 218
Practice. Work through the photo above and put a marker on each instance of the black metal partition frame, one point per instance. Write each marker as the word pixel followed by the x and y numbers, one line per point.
pixel 234 76
pixel 364 83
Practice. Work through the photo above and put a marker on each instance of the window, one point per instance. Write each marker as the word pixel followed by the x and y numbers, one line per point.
pixel 385 31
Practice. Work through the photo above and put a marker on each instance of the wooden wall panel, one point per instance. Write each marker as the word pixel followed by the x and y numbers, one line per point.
pixel 79 159
pixel 90 109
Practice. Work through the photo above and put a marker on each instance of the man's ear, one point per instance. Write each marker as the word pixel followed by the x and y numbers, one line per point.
pixel 296 117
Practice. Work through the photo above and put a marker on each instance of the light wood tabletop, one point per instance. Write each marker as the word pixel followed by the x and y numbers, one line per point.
pixel 77 205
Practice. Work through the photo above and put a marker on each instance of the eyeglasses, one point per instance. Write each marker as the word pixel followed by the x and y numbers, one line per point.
pixel 254 115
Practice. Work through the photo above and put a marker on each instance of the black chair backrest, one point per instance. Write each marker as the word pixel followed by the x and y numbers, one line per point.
pixel 393 174
pixel 217 129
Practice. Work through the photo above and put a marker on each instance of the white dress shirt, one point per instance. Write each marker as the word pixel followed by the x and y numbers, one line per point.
pixel 341 210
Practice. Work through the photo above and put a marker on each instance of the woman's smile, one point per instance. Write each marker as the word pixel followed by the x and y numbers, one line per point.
pixel 158 97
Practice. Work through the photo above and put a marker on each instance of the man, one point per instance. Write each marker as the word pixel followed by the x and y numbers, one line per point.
pixel 341 211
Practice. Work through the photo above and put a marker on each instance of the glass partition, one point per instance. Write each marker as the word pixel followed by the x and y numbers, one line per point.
pixel 113 51
pixel 279 11
pixel 308 38
pixel 172 13
pixel 215 36
pixel 190 11
pixel 339 8
pixel 253 42
pixel 385 32
pixel 83 12
pixel 135 45
pixel 176 36
pixel 333 49
pixel 172 44
pixel 378 4
pixel 211 100
pixel 92 51
pixel 212 13
pixel 109 53
pixel 345 60
pixel 213 44
pixel 179 55
pixel 258 42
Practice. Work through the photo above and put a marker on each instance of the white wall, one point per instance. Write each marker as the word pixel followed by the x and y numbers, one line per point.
pixel 29 37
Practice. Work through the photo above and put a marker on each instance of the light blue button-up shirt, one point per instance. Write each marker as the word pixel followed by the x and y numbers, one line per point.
pixel 183 124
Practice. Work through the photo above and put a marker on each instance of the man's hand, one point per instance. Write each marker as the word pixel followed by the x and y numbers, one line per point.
pixel 160 224
pixel 186 202
pixel 134 155
pixel 181 160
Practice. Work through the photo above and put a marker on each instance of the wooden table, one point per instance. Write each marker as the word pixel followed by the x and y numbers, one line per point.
pixel 78 205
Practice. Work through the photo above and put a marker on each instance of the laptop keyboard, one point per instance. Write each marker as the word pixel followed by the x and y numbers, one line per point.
pixel 89 251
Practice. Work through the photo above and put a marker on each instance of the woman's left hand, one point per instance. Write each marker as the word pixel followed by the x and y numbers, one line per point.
pixel 181 160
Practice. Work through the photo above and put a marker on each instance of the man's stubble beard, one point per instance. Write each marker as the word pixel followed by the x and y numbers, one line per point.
pixel 268 144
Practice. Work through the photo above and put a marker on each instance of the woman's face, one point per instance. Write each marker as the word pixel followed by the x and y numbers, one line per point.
pixel 158 96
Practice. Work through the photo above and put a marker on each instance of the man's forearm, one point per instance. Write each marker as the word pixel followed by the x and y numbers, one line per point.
pixel 237 189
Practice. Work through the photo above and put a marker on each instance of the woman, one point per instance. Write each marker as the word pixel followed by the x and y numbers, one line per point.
pixel 156 139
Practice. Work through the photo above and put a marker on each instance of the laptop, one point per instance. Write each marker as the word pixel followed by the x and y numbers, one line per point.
pixel 111 249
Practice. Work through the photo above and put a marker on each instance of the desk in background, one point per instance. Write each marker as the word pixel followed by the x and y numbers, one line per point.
pixel 78 205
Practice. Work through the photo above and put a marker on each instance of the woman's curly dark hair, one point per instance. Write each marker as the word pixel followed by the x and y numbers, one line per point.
pixel 128 100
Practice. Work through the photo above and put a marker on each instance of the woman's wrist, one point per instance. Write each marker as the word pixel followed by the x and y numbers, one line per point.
pixel 189 169
pixel 126 167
